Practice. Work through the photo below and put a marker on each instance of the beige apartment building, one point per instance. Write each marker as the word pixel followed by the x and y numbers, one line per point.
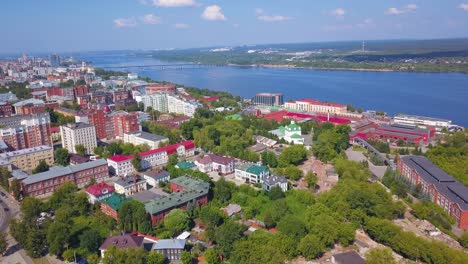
pixel 78 134
pixel 28 159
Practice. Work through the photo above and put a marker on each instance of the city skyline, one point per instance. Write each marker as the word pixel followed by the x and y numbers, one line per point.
pixel 62 26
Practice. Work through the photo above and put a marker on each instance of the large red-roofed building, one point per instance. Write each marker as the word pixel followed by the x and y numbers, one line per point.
pixel 99 191
pixel 283 114
pixel 121 165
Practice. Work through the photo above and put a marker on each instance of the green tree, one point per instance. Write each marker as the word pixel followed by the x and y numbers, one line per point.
pixel 15 188
pixel 3 243
pixel 292 226
pixel 176 221
pixel 222 190
pixel 293 155
pixel 225 236
pixel 63 196
pixel 36 243
pixel 31 208
pixel 186 257
pixel 80 149
pixel 41 167
pixel 94 259
pixel 61 157
pixel 90 240
pixel 311 179
pixel 311 247
pixel 276 193
pixel 173 159
pixel 211 256
pixel 136 162
pixel 57 237
pixel 269 159
pixel 155 258
pixel 380 256
pixel 464 239
pixel 69 255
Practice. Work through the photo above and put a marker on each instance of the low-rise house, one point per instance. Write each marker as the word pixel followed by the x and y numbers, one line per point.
pixel 130 185
pixel 212 162
pixel 110 206
pixel 141 138
pixel 251 173
pixel 76 159
pixel 153 177
pixel 232 209
pixel 99 191
pixel 348 258
pixel 291 133
pixel 186 193
pixel 122 241
pixel 275 181
pixel 170 248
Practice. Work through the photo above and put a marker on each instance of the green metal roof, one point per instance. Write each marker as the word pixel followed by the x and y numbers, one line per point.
pixel 185 165
pixel 194 189
pixel 257 170
pixel 296 136
pixel 293 127
pixel 115 201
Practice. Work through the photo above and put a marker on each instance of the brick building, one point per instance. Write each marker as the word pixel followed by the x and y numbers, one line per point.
pixel 6 109
pixel 442 188
pixel 26 131
pixel 45 183
pixel 98 120
pixel 110 206
pixel 28 159
pixel 392 132
pixel 123 122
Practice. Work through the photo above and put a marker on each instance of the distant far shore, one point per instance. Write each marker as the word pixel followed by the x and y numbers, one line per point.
pixel 287 66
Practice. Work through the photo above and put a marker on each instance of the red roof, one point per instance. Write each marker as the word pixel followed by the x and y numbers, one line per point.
pixel 210 98
pixel 100 189
pixel 54 129
pixel 169 149
pixel 280 115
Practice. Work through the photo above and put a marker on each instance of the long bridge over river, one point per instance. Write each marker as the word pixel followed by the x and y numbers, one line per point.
pixel 176 66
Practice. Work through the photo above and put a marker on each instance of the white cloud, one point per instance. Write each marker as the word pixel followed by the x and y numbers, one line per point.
pixel 181 26
pixel 399 11
pixel 151 19
pixel 125 22
pixel 339 12
pixel 463 6
pixel 213 13
pixel 269 18
pixel 174 3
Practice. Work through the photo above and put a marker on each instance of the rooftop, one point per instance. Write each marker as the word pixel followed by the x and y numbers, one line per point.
pixel 444 183
pixel 317 102
pixel 208 158
pixel 185 165
pixel 129 181
pixel 145 196
pixel 348 258
pixel 170 244
pixel 193 189
pixel 123 241
pixel 101 188
pixel 423 118
pixel 115 201
pixel 27 151
pixel 169 149
pixel 58 171
pixel 156 174
pixel 147 136
pixel 273 180
pixel 77 126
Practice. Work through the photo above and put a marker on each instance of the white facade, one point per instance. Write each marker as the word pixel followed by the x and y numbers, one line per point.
pixel 141 138
pixel 78 134
pixel 157 101
pixel 315 106
pixel 251 173
pixel 423 121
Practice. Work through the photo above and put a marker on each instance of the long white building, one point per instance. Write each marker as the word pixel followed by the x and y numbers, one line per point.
pixel 422 121
pixel 315 106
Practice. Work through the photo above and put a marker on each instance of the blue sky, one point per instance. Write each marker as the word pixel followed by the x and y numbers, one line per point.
pixel 69 25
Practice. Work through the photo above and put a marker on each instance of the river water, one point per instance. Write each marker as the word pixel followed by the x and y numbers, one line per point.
pixel 443 95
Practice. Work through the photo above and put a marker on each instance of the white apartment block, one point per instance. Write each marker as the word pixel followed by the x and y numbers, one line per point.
pixel 157 101
pixel 78 134
pixel 142 138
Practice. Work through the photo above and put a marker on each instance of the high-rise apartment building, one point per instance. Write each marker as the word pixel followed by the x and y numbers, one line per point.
pixel 78 134
pixel 26 131
pixel 157 101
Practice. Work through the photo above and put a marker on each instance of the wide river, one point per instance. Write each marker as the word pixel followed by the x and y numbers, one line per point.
pixel 443 95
